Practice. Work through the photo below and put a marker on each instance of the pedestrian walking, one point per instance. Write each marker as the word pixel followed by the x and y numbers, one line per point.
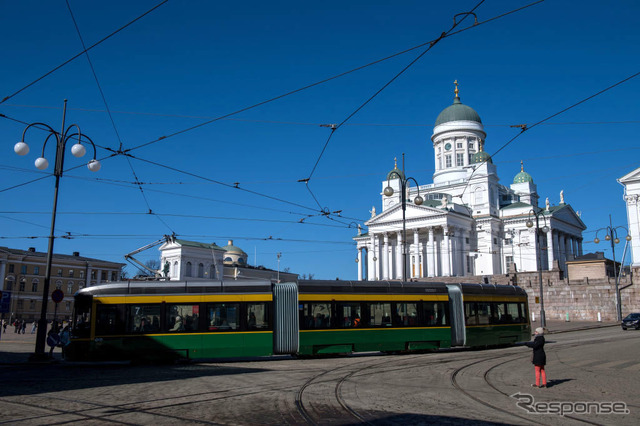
pixel 65 339
pixel 539 358
pixel 16 326
pixel 24 326
pixel 4 325
pixel 53 338
pixel 34 326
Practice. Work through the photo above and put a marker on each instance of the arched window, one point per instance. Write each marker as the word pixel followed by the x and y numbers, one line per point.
pixel 70 287
pixel 59 284
pixel 200 270
pixel 174 273
pixel 34 285
pixel 477 196
pixel 9 283
pixel 187 273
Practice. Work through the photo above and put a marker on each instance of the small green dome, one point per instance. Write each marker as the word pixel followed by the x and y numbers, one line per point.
pixel 522 177
pixel 481 157
pixel 457 112
pixel 230 248
pixel 396 173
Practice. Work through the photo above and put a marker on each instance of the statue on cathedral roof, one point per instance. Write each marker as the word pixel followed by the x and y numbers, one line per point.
pixel 562 196
pixel 373 211
pixel 547 205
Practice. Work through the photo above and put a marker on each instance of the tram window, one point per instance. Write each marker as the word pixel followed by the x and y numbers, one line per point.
pixel 82 317
pixel 499 312
pixel 144 319
pixel 524 312
pixel 349 315
pixel 435 313
pixel 315 315
pixel 182 318
pixel 380 314
pixel 512 313
pixel 470 313
pixel 484 313
pixel 223 316
pixel 257 316
pixel 406 315
pixel 109 319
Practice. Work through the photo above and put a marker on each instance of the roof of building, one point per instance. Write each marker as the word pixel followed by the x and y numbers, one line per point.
pixel 522 177
pixel 481 157
pixel 395 173
pixel 517 204
pixel 198 244
pixel 457 112
pixel 73 257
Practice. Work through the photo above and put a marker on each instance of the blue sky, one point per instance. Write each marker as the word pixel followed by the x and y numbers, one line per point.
pixel 188 62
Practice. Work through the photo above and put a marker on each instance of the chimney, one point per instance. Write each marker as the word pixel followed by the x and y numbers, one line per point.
pixel 32 249
pixel 76 253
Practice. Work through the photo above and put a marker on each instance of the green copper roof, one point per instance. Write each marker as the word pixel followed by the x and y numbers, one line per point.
pixel 396 173
pixel 481 157
pixel 457 112
pixel 196 244
pixel 522 177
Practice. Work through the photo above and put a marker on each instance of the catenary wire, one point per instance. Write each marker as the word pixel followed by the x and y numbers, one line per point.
pixel 6 98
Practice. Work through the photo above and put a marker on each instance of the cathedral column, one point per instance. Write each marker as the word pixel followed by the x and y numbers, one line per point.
pixel 446 253
pixel 579 246
pixel 556 246
pixel 399 256
pixel 431 255
pixel 574 240
pixel 359 263
pixel 416 266
pixel 385 258
pixel 372 274
pixel 550 247
pixel 563 252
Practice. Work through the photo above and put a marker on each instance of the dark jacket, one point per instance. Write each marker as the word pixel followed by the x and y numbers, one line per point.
pixel 539 357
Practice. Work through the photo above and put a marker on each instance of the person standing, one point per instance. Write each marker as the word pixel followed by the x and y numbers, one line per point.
pixel 34 326
pixel 539 358
pixel 24 326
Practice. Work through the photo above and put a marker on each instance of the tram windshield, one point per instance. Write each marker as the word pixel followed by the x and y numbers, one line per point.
pixel 82 317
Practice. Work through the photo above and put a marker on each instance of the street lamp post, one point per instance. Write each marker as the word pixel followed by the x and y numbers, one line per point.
pixel 388 191
pixel 538 214
pixel 612 235
pixel 20 283
pixel 78 150
pixel 279 256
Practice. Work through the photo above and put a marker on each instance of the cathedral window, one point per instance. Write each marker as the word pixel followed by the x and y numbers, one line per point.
pixel 175 270
pixel 200 270
pixel 439 163
pixel 187 273
pixel 447 161
pixel 459 145
pixel 460 159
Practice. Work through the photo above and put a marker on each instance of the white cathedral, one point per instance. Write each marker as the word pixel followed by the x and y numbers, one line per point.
pixel 468 223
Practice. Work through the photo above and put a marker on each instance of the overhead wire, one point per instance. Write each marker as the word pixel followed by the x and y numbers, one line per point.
pixel 6 98
pixel 525 127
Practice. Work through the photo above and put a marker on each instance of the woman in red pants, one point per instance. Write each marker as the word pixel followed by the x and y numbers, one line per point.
pixel 539 358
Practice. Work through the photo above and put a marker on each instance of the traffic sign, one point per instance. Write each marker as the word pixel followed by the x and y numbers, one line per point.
pixel 5 301
pixel 57 295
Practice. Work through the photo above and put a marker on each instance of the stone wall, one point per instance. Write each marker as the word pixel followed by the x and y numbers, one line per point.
pixel 582 300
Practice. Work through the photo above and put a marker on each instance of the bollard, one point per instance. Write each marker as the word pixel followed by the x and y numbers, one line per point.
pixel 599 317
pixel 566 318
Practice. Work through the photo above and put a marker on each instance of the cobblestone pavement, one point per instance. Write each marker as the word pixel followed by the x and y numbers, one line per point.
pixel 587 362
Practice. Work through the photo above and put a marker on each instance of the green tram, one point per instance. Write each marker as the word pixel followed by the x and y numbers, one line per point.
pixel 213 319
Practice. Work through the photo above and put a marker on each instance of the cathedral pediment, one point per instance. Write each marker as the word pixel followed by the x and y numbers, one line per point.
pixel 632 177
pixel 394 214
pixel 565 213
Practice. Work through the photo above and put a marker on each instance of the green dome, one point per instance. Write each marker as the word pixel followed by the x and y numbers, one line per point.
pixel 522 177
pixel 457 112
pixel 481 157
pixel 393 174
pixel 396 173
pixel 230 248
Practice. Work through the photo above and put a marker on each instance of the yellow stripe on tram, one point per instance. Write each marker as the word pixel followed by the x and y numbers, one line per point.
pixel 195 298
pixel 371 297
pixel 375 329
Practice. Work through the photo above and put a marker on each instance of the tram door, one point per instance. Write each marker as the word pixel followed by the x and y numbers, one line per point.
pixel 456 310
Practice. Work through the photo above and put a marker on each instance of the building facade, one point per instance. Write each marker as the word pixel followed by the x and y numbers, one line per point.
pixel 23 272
pixel 631 183
pixel 469 223
pixel 192 260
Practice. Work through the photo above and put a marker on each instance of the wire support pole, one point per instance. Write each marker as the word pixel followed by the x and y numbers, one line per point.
pixel 539 214
pixel 78 150
pixel 612 236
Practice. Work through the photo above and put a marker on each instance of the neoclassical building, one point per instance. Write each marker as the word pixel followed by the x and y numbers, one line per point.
pixel 469 223
pixel 631 183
